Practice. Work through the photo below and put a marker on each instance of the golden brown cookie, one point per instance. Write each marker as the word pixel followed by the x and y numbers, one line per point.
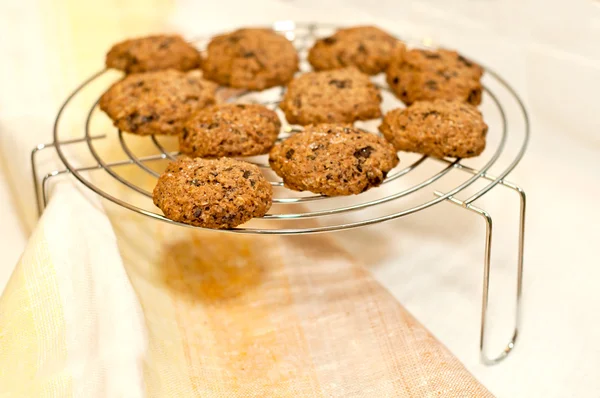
pixel 426 75
pixel 439 128
pixel 368 48
pixel 254 59
pixel 152 53
pixel 156 102
pixel 333 160
pixel 336 96
pixel 230 130
pixel 212 193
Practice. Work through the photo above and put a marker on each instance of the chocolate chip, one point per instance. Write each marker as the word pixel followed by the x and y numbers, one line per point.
pixel 329 40
pixel 341 83
pixel 375 180
pixel 289 154
pixel 197 212
pixel 191 98
pixel 431 84
pixel 396 80
pixel 246 174
pixel 241 106
pixel 465 61
pixel 473 96
pixel 147 119
pixel 252 183
pixel 430 54
pixel 362 49
pixel 165 44
pixel 213 125
pixel 430 113
pixel 328 176
pixel 404 94
pixel 185 133
pixel 364 153
pixel 131 117
pixel 359 168
pixel 444 74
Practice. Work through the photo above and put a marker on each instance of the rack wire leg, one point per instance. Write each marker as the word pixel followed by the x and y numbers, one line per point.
pixel 484 357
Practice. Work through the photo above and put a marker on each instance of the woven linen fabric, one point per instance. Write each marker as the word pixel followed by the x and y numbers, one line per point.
pixel 124 306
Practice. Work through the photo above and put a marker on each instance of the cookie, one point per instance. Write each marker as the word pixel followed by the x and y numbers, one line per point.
pixel 156 102
pixel 152 53
pixel 333 160
pixel 425 75
pixel 212 193
pixel 367 48
pixel 230 130
pixel 254 59
pixel 336 96
pixel 439 128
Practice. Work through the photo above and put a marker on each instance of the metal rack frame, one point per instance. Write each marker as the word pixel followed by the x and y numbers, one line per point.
pixel 301 36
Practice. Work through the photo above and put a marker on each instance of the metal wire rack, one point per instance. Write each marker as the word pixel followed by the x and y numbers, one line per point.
pixel 419 182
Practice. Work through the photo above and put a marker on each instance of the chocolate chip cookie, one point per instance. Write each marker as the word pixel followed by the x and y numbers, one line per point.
pixel 439 128
pixel 254 59
pixel 333 160
pixel 152 53
pixel 426 75
pixel 212 193
pixel 368 48
pixel 230 130
pixel 336 96
pixel 156 102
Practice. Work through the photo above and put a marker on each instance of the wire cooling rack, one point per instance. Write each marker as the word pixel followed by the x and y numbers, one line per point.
pixel 88 146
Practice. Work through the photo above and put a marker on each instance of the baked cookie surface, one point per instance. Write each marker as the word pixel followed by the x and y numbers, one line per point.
pixel 230 130
pixel 333 160
pixel 367 48
pixel 212 193
pixel 440 128
pixel 427 75
pixel 156 102
pixel 152 53
pixel 250 58
pixel 336 96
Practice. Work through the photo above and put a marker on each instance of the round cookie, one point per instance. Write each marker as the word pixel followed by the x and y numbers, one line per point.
pixel 336 96
pixel 439 128
pixel 230 130
pixel 333 160
pixel 368 48
pixel 156 102
pixel 212 193
pixel 425 75
pixel 254 59
pixel 152 53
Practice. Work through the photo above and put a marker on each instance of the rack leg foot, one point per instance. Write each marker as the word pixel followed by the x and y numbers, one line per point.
pixel 483 351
